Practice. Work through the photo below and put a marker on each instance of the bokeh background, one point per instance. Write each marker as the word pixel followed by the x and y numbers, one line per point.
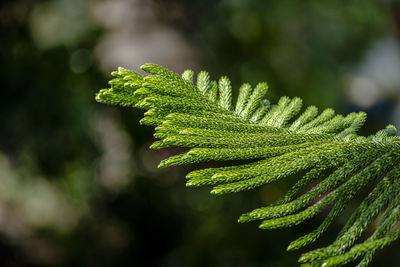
pixel 78 184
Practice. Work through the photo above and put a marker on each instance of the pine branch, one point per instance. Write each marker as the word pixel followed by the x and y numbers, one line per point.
pixel 281 142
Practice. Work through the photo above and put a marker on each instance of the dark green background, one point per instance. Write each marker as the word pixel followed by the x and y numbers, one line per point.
pixel 59 205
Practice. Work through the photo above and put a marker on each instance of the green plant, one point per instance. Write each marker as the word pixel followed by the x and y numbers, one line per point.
pixel 276 142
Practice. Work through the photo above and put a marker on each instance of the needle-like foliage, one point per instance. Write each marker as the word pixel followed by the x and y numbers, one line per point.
pixel 333 163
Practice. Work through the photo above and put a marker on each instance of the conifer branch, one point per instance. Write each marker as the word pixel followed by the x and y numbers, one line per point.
pixel 280 142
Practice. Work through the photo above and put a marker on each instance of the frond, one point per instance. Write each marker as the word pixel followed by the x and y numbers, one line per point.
pixel 280 141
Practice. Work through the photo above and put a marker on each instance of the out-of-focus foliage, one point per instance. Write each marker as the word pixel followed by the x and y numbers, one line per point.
pixel 64 206
pixel 291 39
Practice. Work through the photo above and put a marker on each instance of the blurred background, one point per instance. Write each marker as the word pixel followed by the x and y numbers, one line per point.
pixel 78 184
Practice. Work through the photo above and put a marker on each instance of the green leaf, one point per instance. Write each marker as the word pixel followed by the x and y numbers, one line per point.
pixel 281 141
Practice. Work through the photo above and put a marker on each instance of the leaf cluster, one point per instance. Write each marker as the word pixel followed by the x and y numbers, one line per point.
pixel 274 141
